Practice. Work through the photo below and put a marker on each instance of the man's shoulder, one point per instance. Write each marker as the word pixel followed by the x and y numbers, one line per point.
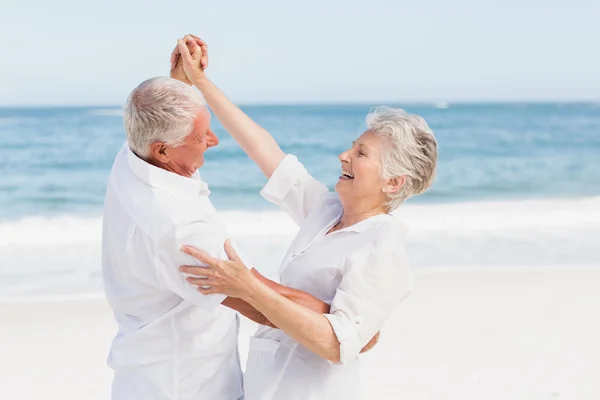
pixel 155 211
pixel 159 213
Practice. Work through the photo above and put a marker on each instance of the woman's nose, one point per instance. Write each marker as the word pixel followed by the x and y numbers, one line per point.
pixel 343 157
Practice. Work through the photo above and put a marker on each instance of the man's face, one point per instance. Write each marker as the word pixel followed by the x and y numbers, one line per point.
pixel 186 158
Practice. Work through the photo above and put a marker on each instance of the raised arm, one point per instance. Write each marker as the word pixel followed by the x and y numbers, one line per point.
pixel 290 186
pixel 258 144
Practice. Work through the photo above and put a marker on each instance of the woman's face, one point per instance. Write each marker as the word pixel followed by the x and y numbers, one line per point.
pixel 361 181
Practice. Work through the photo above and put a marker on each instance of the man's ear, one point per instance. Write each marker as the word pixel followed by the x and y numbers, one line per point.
pixel 395 184
pixel 159 152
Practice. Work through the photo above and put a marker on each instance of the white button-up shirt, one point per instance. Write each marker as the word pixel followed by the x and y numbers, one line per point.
pixel 361 271
pixel 173 342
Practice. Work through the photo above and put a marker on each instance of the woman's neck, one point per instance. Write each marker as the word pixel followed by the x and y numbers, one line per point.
pixel 351 217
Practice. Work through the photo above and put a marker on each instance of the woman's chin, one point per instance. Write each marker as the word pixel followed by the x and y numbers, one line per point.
pixel 342 186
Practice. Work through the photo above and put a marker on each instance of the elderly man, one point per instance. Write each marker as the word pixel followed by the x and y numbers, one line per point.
pixel 173 342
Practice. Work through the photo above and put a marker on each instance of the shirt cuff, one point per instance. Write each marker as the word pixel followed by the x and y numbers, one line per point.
pixel 347 334
pixel 283 179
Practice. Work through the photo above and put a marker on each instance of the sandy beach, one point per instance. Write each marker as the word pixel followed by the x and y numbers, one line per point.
pixel 463 334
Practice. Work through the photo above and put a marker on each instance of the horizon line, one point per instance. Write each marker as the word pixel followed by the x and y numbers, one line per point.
pixel 334 103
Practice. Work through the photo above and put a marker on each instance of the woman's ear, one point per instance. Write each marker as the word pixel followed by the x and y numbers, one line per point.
pixel 394 184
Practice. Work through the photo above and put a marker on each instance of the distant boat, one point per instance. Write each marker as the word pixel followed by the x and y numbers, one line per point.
pixel 441 104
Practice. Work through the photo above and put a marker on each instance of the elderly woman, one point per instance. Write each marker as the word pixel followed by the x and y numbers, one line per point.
pixel 349 251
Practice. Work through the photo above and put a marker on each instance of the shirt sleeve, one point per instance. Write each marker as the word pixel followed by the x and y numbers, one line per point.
pixel 293 189
pixel 372 285
pixel 205 237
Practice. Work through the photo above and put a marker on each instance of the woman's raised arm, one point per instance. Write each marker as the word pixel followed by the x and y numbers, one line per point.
pixel 258 144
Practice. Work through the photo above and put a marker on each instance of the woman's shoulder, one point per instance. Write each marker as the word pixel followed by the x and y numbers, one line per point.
pixel 384 231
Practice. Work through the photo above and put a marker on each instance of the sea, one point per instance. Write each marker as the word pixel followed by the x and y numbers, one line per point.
pixel 518 186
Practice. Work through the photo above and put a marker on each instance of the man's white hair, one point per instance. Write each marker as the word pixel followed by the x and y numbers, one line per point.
pixel 410 150
pixel 160 109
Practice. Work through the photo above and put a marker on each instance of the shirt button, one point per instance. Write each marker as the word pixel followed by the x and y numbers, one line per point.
pixel 358 320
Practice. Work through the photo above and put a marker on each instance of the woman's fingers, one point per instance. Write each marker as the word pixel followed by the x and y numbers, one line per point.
pixel 201 281
pixel 204 48
pixel 199 255
pixel 191 43
pixel 210 290
pixel 183 50
pixel 195 270
pixel 230 251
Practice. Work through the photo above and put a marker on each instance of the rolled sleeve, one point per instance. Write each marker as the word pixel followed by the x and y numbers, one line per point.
pixel 372 285
pixel 293 189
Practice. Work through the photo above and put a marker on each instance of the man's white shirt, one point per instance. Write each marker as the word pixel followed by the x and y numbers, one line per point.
pixel 173 342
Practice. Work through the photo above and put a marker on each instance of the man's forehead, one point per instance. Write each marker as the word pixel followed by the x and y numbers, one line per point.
pixel 203 116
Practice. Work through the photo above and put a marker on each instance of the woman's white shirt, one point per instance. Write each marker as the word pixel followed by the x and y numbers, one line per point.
pixel 362 271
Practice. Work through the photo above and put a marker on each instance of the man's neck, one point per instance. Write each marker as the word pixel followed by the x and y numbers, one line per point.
pixel 168 167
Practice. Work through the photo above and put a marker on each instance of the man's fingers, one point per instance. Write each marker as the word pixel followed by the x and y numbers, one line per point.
pixel 197 39
pixel 230 251
pixel 174 55
pixel 176 62
pixel 204 59
pixel 198 255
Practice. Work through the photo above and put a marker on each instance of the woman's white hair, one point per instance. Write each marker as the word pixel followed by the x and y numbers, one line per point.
pixel 410 150
pixel 160 109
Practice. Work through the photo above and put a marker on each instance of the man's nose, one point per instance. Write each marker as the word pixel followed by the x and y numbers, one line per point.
pixel 212 139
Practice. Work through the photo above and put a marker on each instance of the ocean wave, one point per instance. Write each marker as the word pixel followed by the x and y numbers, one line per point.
pixel 42 256
pixel 466 218
pixel 495 216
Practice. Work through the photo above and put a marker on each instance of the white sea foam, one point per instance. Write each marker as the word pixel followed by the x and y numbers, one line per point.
pixel 533 216
pixel 40 256
pixel 494 216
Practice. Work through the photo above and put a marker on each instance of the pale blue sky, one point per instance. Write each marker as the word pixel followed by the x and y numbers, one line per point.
pixel 73 52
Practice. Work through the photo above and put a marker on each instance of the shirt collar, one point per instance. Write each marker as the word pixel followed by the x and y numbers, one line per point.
pixel 365 224
pixel 177 185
